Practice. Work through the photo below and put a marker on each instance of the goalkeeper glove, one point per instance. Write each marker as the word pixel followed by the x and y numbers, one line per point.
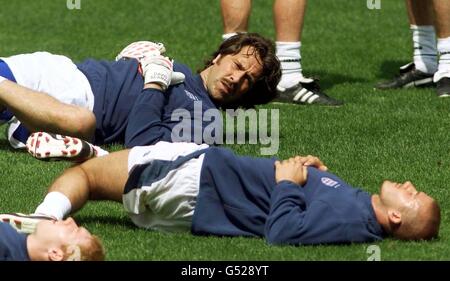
pixel 158 69
pixel 143 50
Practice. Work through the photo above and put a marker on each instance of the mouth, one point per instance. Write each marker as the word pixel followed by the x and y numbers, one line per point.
pixel 226 86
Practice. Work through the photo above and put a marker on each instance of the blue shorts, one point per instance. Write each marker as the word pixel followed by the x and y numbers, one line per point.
pixel 6 72
pixel 21 133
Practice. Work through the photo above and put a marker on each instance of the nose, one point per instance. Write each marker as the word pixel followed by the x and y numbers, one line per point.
pixel 70 221
pixel 237 76
pixel 409 186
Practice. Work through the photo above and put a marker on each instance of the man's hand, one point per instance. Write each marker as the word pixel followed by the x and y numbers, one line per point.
pixel 295 169
pixel 141 50
pixel 157 69
pixel 312 161
pixel 290 170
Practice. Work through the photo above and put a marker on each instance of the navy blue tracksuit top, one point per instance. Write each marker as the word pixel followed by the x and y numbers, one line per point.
pixel 125 113
pixel 239 197
pixel 13 245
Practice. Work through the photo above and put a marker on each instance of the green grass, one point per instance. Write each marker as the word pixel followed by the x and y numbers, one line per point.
pixel 399 135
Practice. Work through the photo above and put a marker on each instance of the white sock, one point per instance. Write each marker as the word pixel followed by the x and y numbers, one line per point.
pixel 425 52
pixel 2 79
pixel 99 152
pixel 444 59
pixel 228 35
pixel 291 69
pixel 55 204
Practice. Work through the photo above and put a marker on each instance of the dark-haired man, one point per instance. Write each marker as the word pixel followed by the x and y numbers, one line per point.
pixel 130 101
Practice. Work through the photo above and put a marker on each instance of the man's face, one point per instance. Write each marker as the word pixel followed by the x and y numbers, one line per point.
pixel 231 76
pixel 63 232
pixel 401 196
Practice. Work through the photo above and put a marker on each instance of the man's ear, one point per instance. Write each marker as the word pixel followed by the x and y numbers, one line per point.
pixel 55 254
pixel 394 216
pixel 216 59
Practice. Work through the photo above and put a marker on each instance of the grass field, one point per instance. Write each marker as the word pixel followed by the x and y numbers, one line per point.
pixel 400 135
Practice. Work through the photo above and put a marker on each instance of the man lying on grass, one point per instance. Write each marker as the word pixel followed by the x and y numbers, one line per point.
pixel 132 101
pixel 212 191
pixel 48 240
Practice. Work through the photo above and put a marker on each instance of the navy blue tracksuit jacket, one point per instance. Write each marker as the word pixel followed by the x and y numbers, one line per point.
pixel 13 245
pixel 125 113
pixel 239 197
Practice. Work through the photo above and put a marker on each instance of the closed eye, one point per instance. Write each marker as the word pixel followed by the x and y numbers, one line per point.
pixel 247 76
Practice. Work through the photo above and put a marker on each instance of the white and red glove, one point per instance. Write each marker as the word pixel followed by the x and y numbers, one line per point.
pixel 157 69
pixel 142 51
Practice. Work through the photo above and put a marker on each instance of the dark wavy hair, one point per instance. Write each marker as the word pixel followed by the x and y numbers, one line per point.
pixel 264 90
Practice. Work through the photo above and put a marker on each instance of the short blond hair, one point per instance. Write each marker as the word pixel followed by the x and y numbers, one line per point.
pixel 94 251
pixel 421 225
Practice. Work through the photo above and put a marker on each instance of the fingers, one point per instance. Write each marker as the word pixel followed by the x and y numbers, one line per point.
pixel 177 78
pixel 290 170
pixel 308 161
pixel 141 50
pixel 157 69
pixel 315 162
pixel 157 60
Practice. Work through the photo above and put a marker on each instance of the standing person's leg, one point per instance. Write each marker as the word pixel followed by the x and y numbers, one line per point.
pixel 420 14
pixel 424 65
pixel 442 25
pixel 235 16
pixel 293 87
pixel 288 18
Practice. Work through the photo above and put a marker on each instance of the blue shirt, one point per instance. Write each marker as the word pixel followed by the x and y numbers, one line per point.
pixel 125 113
pixel 13 245
pixel 239 197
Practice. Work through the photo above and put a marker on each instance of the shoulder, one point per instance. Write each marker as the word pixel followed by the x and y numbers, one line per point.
pixel 179 67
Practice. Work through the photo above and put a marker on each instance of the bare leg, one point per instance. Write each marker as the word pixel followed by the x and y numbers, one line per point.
pixel 235 15
pixel 41 112
pixel 288 18
pixel 100 178
pixel 420 12
pixel 442 25
pixel 421 18
pixel 442 18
